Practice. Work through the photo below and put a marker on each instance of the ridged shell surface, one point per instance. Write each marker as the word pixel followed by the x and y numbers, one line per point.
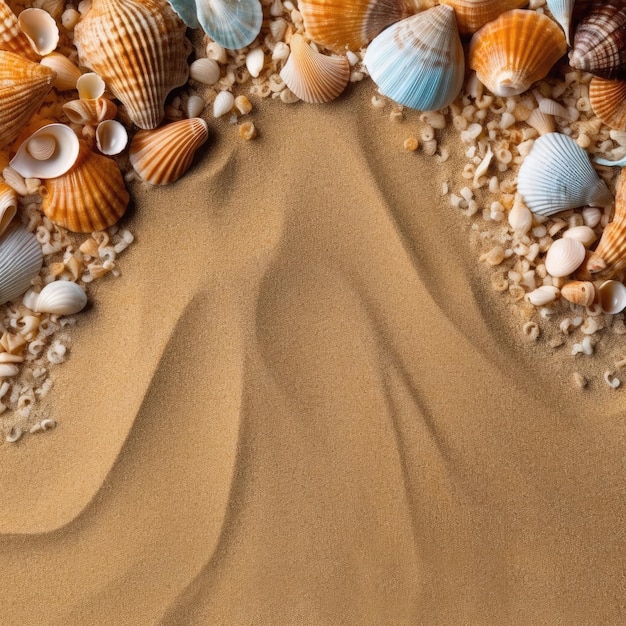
pixel 608 101
pixel 12 39
pixel 312 76
pixel 139 48
pixel 515 50
pixel 562 12
pixel 21 259
pixel 564 257
pixel 8 205
pixel 418 62
pixel 557 175
pixel 61 297
pixel 89 197
pixel 234 24
pixel 600 41
pixel 163 155
pixel 23 86
pixel 579 292
pixel 473 14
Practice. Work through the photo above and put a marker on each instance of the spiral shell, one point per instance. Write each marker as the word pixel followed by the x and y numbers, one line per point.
pixel 473 14
pixel 90 112
pixel 61 297
pixel 21 259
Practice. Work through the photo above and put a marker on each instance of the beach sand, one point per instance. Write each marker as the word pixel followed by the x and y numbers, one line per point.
pixel 303 403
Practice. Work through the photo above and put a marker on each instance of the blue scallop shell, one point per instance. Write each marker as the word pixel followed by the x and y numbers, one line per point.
pixel 562 12
pixel 418 62
pixel 233 24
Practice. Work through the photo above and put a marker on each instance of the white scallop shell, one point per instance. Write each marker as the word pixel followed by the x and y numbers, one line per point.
pixel 557 175
pixel 49 152
pixel 20 261
pixel 564 257
pixel 111 137
pixel 204 70
pixel 40 29
pixel 61 297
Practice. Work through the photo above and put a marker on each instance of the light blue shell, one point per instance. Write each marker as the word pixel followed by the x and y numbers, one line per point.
pixel 600 161
pixel 418 62
pixel 562 12
pixel 234 24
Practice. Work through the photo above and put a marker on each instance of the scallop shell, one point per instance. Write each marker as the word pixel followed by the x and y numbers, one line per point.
pixel 40 29
pixel 8 205
pixel 23 86
pixel 163 155
pixel 564 256
pixel 562 12
pixel 418 62
pixel 90 112
pixel 20 261
pixel 91 196
pixel 608 101
pixel 557 175
pixel 60 297
pixel 612 296
pixel 49 152
pixel 12 39
pixel 67 73
pixel 233 24
pixel 600 41
pixel 473 14
pixel 351 24
pixel 139 48
pixel 313 76
pixel 515 50
pixel 580 292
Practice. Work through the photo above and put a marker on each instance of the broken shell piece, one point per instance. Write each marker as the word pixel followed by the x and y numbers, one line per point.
pixel 580 292
pixel 21 259
pixel 61 297
pixel 49 152
pixel 564 257
pixel 90 86
pixel 612 296
pixel 40 29
pixel 67 73
pixel 111 137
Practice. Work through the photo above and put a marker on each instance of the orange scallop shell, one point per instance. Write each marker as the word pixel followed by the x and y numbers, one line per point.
pixel 608 101
pixel 473 14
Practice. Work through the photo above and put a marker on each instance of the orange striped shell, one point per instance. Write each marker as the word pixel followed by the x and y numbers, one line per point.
pixel 473 14
pixel 608 101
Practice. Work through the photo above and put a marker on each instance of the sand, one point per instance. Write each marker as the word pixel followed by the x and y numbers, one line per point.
pixel 302 403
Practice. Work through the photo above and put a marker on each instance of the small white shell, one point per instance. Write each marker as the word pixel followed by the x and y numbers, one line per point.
pixel 205 71
pixel 111 137
pixel 223 104
pixel 67 72
pixel 542 295
pixel 40 29
pixel 612 296
pixel 195 105
pixel 584 234
pixel 564 257
pixel 255 60
pixel 61 297
pixel 90 86
pixel 520 217
pixel 49 152
pixel 20 261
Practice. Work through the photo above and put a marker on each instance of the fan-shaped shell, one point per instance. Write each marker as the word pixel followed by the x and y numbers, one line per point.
pixel 163 155
pixel 564 256
pixel 91 196
pixel 580 292
pixel 139 48
pixel 600 41
pixel 418 62
pixel 67 73
pixel 313 76
pixel 562 12
pixel 60 297
pixel 515 50
pixel 233 24
pixel 557 175
pixel 8 205
pixel 608 101
pixel 12 39
pixel 21 259
pixel 473 14
pixel 23 86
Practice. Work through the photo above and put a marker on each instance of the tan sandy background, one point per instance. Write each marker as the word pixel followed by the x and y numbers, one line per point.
pixel 302 403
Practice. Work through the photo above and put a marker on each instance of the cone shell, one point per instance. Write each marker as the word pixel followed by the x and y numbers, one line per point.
pixel 562 12
pixel 21 259
pixel 580 292
pixel 12 39
pixel 139 48
pixel 473 14
pixel 515 50
pixel 608 101
pixel 419 61
pixel 600 41
pixel 163 155
pixel 557 175
pixel 23 86
pixel 313 76
pixel 89 197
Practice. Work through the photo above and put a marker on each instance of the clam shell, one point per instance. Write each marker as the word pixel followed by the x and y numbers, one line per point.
pixel 40 29
pixel 580 292
pixel 8 205
pixel 313 76
pixel 600 41
pixel 91 196
pixel 23 86
pixel 67 73
pixel 557 175
pixel 111 137
pixel 608 101
pixel 139 48
pixel 90 112
pixel 60 297
pixel 564 256
pixel 233 24
pixel 612 296
pixel 49 152
pixel 473 14
pixel 90 86
pixel 562 12
pixel 163 155
pixel 515 50
pixel 418 62
pixel 12 39
pixel 20 261
pixel 585 234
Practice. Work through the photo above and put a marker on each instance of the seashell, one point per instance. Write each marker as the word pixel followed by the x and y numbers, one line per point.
pixel 163 155
pixel 600 41
pixel 90 112
pixel 40 29
pixel 580 292
pixel 564 256
pixel 223 103
pixel 12 39
pixel 556 109
pixel 194 106
pixel 542 295
pixel 255 60
pixel 91 196
pixel 557 175
pixel 60 297
pixel 542 122
pixel 612 296
pixel 205 71
pixel 313 76
pixel 419 61
pixel 562 12
pixel 515 50
pixel 473 14
pixel 608 101
pixel 90 86
pixel 233 24
pixel 351 24
pixel 49 152
pixel 520 217
pixel 67 73
pixel 20 261
pixel 23 86
pixel 139 48
pixel 111 137
pixel 584 234
pixel 8 205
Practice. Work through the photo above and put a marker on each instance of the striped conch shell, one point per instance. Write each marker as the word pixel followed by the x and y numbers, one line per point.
pixel 91 196
pixel 473 14
pixel 163 155
pixel 12 39
pixel 139 48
